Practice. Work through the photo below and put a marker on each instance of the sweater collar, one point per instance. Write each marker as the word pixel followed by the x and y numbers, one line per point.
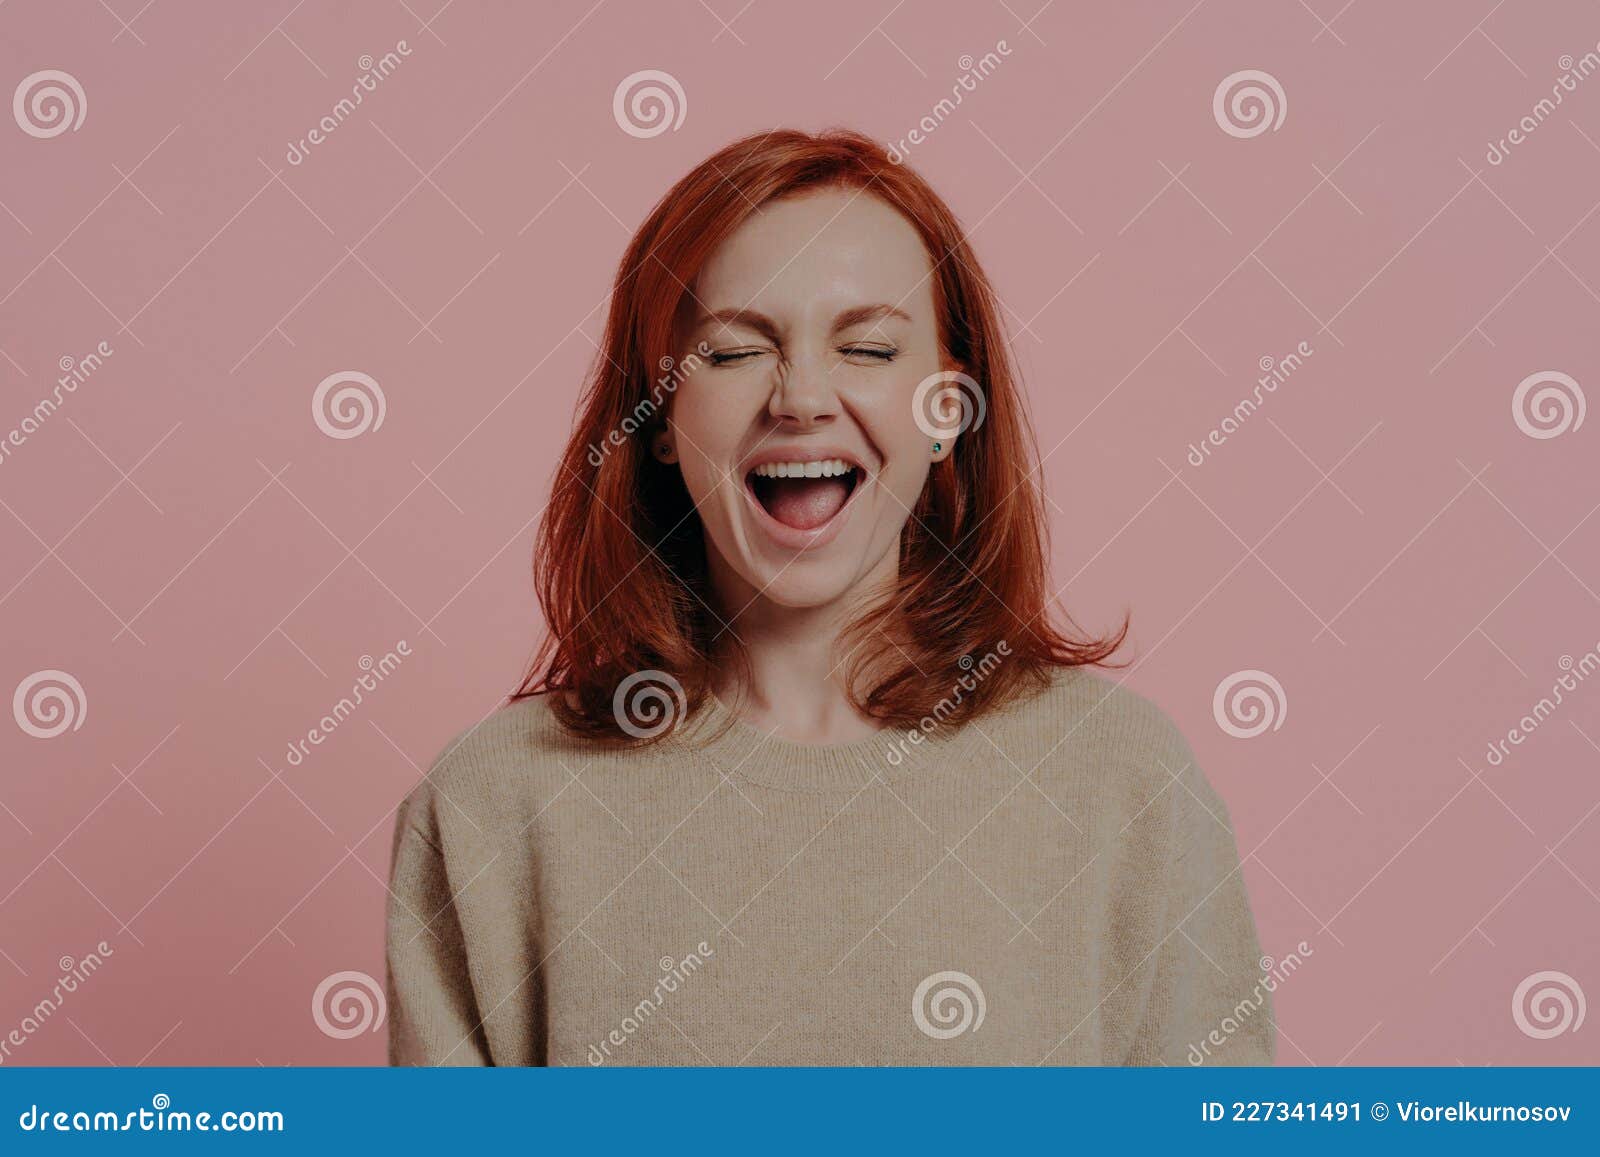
pixel 738 748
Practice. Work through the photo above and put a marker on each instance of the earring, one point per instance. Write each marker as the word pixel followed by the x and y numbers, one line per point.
pixel 937 446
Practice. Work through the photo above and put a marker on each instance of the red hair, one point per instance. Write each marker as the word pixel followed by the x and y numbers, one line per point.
pixel 620 563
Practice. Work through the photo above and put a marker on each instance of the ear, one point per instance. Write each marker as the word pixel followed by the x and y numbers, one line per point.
pixel 662 448
pixel 943 444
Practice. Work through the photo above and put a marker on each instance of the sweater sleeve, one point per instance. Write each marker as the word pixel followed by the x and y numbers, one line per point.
pixel 433 1014
pixel 1208 1003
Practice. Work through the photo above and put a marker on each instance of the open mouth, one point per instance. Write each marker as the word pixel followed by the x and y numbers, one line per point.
pixel 804 495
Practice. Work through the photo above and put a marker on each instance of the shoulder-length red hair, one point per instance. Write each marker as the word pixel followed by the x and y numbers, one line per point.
pixel 620 563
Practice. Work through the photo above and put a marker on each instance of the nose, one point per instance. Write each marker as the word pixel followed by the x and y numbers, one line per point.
pixel 804 394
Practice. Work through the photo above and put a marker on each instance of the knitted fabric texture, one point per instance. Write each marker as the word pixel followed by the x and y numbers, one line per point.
pixel 1054 883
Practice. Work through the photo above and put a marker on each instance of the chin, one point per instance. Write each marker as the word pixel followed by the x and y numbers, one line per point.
pixel 802 591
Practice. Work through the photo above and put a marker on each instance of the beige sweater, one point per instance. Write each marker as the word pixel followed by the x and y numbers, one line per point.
pixel 1056 883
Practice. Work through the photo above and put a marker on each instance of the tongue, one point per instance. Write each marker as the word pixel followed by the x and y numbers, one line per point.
pixel 804 503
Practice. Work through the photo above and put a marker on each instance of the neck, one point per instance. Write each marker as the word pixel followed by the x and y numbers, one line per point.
pixel 795 682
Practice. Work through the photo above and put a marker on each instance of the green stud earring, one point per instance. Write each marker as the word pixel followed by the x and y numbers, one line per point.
pixel 937 446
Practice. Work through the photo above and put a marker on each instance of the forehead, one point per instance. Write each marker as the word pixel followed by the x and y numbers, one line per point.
pixel 821 249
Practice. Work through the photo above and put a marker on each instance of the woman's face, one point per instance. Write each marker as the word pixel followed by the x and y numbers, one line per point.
pixel 797 436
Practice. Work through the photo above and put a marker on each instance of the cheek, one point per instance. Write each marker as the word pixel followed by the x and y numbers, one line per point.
pixel 707 429
pixel 698 466
pixel 908 472
pixel 703 424
pixel 890 420
pixel 906 451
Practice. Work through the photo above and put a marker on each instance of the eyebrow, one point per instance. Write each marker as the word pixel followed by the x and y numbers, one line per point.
pixel 764 325
pixel 862 314
pixel 749 318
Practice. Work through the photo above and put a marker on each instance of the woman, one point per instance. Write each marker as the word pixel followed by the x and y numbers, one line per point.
pixel 803 773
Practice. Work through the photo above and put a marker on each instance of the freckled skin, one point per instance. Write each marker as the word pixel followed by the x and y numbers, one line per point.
pixel 802 262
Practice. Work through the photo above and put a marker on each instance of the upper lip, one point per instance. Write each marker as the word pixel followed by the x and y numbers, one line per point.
pixel 801 454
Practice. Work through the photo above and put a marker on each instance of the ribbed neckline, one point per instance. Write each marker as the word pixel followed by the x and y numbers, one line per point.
pixel 742 749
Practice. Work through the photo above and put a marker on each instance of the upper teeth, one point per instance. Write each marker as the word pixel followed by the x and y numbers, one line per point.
pixel 827 468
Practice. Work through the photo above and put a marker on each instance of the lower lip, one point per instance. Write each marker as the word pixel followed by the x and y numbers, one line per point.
pixel 793 538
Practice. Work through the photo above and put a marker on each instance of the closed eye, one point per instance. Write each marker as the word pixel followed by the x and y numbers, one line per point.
pixel 729 357
pixel 877 353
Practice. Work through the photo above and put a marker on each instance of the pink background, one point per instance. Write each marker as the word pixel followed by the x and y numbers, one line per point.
pixel 1381 536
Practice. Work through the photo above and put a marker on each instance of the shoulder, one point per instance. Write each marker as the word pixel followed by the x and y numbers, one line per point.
pixel 488 773
pixel 1088 710
pixel 1091 732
